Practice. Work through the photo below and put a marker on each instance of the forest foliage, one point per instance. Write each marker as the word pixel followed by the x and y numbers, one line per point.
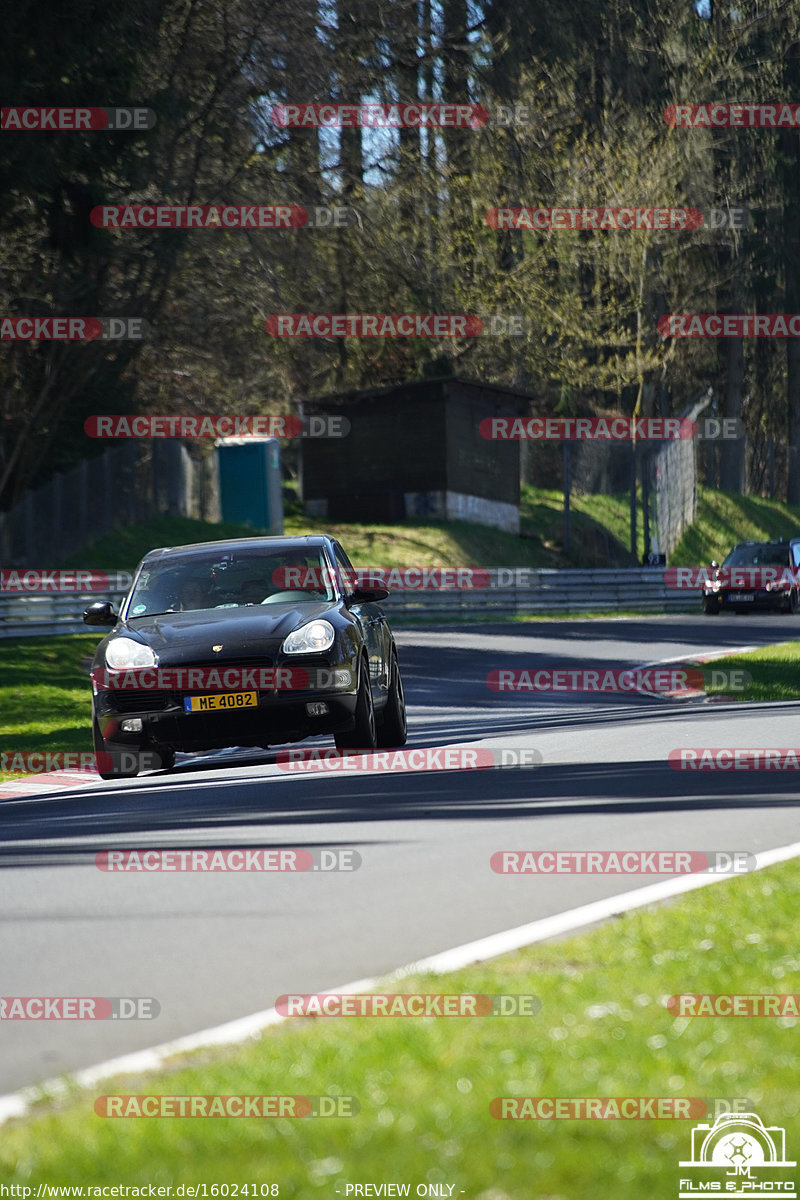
pixel 588 82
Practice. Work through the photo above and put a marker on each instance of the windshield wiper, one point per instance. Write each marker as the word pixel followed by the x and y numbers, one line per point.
pixel 163 613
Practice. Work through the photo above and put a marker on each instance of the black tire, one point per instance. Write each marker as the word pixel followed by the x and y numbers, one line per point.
pixel 393 729
pixel 120 768
pixel 166 758
pixel 710 607
pixel 793 605
pixel 364 735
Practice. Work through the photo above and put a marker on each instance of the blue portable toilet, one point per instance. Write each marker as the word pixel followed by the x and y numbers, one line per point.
pixel 250 484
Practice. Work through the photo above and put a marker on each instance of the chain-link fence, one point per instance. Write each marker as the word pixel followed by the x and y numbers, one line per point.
pixel 660 476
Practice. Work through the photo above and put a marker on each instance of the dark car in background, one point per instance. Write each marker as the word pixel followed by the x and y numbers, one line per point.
pixel 254 642
pixel 755 576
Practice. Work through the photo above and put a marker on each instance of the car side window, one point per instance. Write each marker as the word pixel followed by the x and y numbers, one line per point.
pixel 796 555
pixel 346 568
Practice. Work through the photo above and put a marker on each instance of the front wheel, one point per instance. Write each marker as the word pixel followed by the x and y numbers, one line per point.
pixel 363 735
pixel 710 607
pixel 393 729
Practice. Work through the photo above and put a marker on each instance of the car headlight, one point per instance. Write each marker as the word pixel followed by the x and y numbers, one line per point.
pixel 123 653
pixel 315 636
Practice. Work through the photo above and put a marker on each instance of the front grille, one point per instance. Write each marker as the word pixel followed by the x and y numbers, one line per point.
pixel 141 701
pixel 253 661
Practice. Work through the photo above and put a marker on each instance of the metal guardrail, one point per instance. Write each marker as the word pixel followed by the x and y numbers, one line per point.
pixel 511 592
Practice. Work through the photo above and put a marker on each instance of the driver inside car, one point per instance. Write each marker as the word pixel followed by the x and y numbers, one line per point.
pixel 254 591
pixel 194 595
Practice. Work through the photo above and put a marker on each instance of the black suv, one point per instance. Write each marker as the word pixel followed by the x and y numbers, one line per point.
pixel 253 642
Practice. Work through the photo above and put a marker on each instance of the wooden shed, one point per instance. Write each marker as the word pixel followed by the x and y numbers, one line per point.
pixel 415 450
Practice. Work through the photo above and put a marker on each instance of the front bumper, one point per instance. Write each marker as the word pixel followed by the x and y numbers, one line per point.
pixel 280 716
pixel 757 599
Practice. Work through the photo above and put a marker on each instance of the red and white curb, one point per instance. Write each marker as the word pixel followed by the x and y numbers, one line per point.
pixel 48 781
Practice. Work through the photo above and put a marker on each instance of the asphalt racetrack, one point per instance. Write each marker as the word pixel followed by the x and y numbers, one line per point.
pixel 211 947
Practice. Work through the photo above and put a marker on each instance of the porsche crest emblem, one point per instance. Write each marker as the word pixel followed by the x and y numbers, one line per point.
pixel 216 649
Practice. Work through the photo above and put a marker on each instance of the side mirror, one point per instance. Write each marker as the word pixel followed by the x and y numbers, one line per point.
pixel 364 595
pixel 101 613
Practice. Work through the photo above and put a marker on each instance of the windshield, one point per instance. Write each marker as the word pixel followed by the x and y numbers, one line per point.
pixel 232 579
pixel 761 554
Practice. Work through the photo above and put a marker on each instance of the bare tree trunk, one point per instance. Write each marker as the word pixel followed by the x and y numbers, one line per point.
pixel 732 464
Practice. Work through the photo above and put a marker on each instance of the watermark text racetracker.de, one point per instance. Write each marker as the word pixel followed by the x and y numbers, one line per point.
pixel 45 118
pixel 73 329
pixel 622 862
pixel 234 680
pixel 612 218
pixel 394 325
pixel 420 758
pixel 223 216
pixel 612 1108
pixel 274 1106
pixel 232 860
pixel 42 580
pixel 43 762
pixel 186 425
pixel 406 1004
pixel 79 1008
pixel 657 681
pixel 607 429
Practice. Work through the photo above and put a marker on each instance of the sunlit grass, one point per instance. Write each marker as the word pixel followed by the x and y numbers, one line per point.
pixel 45 695
pixel 773 671
pixel 424 1085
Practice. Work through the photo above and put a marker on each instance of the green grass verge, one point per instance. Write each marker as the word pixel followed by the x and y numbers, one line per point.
pixel 599 537
pixel 434 544
pixel 424 1085
pixel 724 518
pixel 48 703
pixel 774 673
pixel 599 527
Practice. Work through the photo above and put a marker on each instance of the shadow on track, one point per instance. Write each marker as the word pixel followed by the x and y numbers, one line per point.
pixel 76 828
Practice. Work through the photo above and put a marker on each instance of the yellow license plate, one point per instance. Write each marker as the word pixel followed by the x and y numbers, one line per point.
pixel 220 700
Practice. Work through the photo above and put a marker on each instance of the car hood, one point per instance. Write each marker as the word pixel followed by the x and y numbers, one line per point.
pixel 238 630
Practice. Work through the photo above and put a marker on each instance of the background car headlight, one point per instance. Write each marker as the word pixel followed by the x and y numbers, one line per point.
pixel 317 635
pixel 122 654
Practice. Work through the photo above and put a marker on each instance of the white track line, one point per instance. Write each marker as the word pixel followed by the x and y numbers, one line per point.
pixel 18 1104
pixel 690 693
